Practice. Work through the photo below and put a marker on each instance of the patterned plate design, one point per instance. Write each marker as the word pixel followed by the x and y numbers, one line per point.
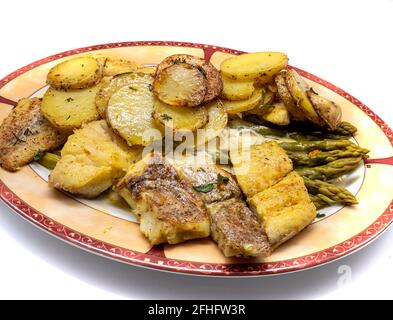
pixel 98 231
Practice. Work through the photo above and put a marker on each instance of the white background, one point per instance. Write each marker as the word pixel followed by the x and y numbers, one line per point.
pixel 348 43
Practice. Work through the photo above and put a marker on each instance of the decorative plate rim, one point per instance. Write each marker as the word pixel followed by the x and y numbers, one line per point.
pixel 156 261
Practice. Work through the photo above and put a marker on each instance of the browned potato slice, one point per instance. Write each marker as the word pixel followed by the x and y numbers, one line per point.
pixel 286 98
pixel 180 85
pixel 278 115
pixel 107 88
pixel 68 110
pixel 260 66
pixel 130 109
pixel 76 73
pixel 213 77
pixel 178 118
pixel 237 90
pixel 298 89
pixel 236 107
pixel 218 119
pixel 326 109
pixel 147 69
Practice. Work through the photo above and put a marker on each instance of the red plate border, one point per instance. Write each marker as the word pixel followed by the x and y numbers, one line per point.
pixel 153 261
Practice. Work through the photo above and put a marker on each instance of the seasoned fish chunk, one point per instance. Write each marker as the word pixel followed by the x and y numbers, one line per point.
pixel 24 133
pixel 223 184
pixel 169 210
pixel 237 230
pixel 92 159
pixel 260 168
pixel 285 208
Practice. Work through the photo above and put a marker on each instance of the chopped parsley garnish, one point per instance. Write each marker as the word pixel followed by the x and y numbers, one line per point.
pixel 165 117
pixel 150 87
pixel 205 188
pixel 201 70
pixel 38 155
pixel 201 170
pixel 222 179
pixel 132 88
pixel 18 139
pixel 179 60
pixel 321 215
pixel 69 99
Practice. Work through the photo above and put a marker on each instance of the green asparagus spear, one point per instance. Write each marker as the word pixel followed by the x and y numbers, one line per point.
pixel 346 129
pixel 320 201
pixel 325 145
pixel 49 160
pixel 314 158
pixel 335 194
pixel 330 170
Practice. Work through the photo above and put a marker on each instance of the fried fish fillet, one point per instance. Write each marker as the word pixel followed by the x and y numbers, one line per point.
pixel 236 229
pixel 168 208
pixel 285 208
pixel 92 159
pixel 260 168
pixel 24 133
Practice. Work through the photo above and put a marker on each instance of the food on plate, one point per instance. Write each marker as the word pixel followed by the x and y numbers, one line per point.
pixel 179 118
pixel 70 109
pixel 92 159
pixel 147 69
pixel 260 66
pixel 286 97
pixel 287 145
pixel 236 229
pixel 331 170
pixel 298 88
pixel 285 208
pixel 25 135
pixel 109 87
pixel 328 193
pixel 180 85
pixel 237 90
pixel 278 114
pixel 329 112
pixel 237 107
pixel 260 167
pixel 168 209
pixel 217 121
pixel 76 73
pixel 112 66
pixel 129 111
pixel 211 74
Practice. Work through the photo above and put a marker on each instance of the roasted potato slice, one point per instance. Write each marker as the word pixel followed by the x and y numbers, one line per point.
pixel 147 69
pixel 107 88
pixel 277 115
pixel 286 97
pixel 237 90
pixel 326 109
pixel 260 66
pixel 178 118
pixel 130 109
pixel 212 75
pixel 112 66
pixel 236 107
pixel 298 89
pixel 218 119
pixel 68 110
pixel 76 73
pixel 180 85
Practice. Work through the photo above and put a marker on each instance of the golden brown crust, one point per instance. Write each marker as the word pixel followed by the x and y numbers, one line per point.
pixel 159 184
pixel 237 230
pixel 213 76
pixel 25 132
